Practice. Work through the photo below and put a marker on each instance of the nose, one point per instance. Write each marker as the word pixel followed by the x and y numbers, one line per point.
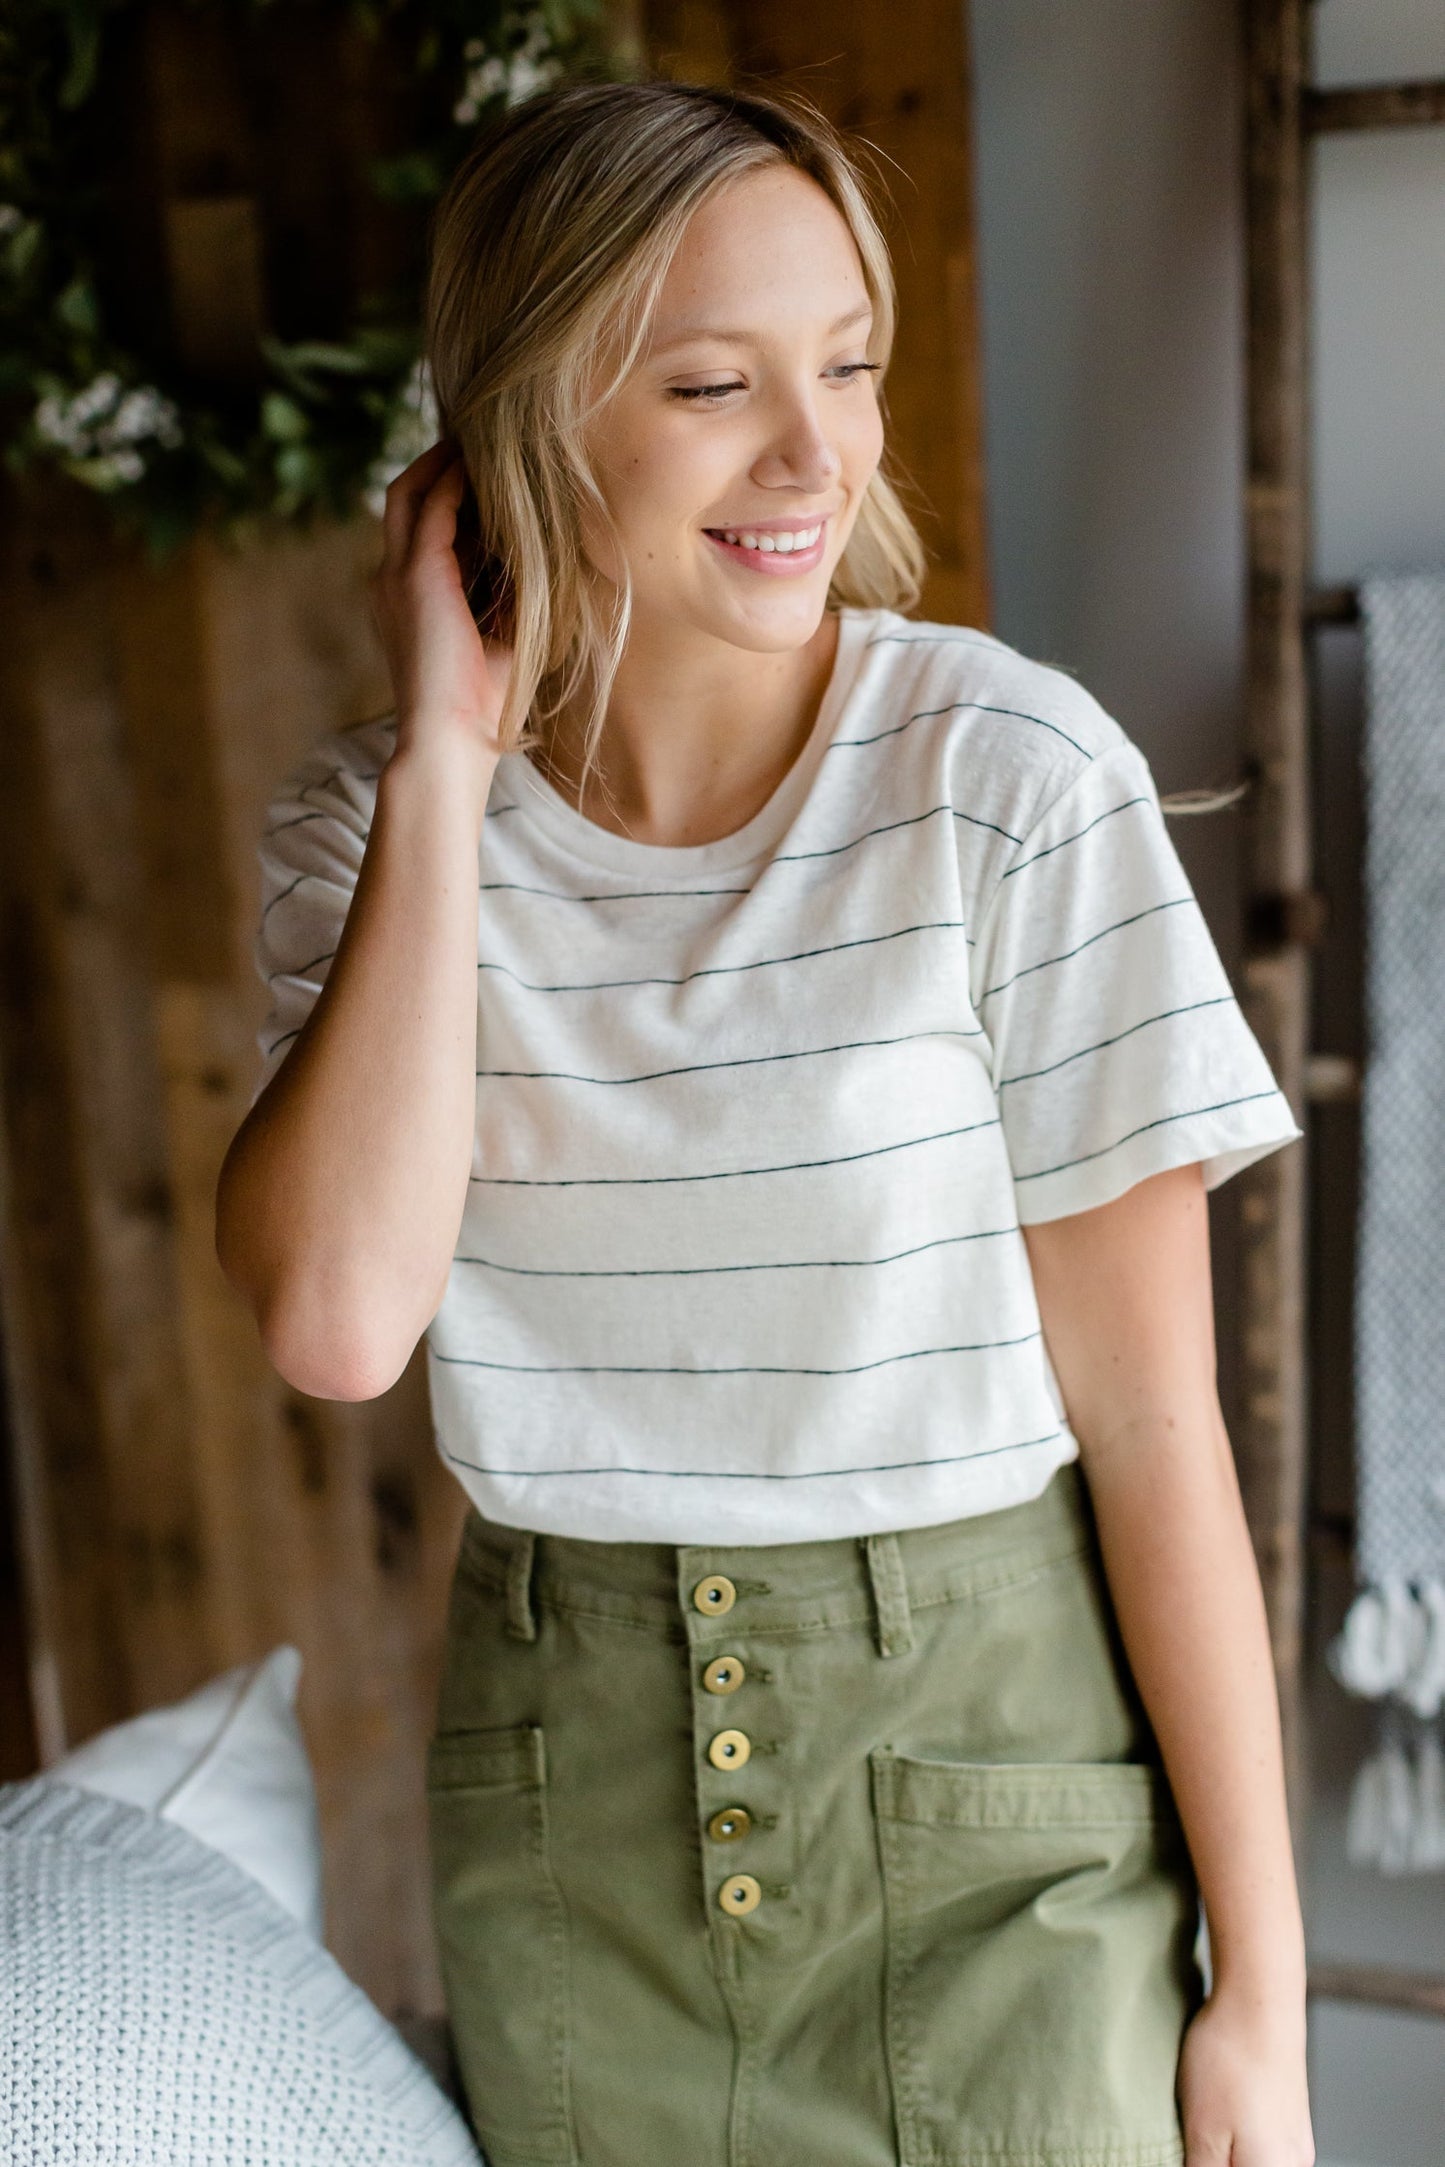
pixel 800 453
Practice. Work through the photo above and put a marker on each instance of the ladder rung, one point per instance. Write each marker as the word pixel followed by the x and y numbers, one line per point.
pixel 1373 105
pixel 1420 1992
pixel 1333 606
pixel 1331 1079
pixel 1332 1531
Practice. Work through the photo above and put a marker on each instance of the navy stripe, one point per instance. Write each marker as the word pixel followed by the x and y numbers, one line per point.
pixel 728 970
pixel 740 1474
pixel 321 783
pixel 295 884
pixel 747 1060
pixel 1216 1000
pixel 889 827
pixel 701 1271
pixel 976 707
pixel 951 639
pixel 781 857
pixel 1050 848
pixel 615 895
pixel 299 970
pixel 1164 1120
pixel 1173 904
pixel 729 1173
pixel 741 1369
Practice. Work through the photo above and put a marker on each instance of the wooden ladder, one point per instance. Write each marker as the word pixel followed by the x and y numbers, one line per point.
pixel 1285 914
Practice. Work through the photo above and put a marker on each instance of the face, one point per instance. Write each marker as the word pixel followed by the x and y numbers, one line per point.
pixel 736 456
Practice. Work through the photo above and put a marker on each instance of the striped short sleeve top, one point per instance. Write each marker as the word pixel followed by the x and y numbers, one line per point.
pixel 759 1121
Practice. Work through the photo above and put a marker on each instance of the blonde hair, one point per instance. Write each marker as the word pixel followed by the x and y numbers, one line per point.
pixel 547 255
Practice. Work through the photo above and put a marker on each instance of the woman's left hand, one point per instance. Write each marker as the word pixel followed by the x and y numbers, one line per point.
pixel 1243 2093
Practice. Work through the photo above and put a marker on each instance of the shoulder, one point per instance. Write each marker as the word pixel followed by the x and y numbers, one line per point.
pixel 1023 732
pixel 335 777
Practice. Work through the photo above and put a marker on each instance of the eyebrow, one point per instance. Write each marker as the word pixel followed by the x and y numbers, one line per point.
pixel 693 332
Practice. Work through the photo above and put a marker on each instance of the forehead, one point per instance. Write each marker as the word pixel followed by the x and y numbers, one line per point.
pixel 768 249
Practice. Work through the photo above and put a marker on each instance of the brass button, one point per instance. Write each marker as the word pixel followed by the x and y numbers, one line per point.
pixel 724 1674
pixel 740 1895
pixel 715 1596
pixel 727 1826
pixel 730 1749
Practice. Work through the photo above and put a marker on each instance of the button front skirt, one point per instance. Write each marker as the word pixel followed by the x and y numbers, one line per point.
pixel 924 1908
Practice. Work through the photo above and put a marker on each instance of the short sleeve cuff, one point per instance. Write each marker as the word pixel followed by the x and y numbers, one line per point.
pixel 1223 1138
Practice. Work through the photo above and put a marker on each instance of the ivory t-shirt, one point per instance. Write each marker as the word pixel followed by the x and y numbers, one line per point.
pixel 759 1120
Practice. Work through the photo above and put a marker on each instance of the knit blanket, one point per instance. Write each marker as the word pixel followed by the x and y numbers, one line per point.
pixel 158 2008
pixel 1391 1646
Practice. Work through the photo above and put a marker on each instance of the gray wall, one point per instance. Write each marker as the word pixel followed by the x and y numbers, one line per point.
pixel 1108 152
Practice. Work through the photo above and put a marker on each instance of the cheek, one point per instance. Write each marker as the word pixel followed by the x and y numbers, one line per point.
pixel 865 442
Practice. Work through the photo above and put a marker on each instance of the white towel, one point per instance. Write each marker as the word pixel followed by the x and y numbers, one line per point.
pixel 1392 1644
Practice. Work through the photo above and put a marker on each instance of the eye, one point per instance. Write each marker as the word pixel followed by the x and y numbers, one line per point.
pixel 703 391
pixel 847 370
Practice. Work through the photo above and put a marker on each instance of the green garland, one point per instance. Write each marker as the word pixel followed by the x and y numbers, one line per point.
pixel 328 421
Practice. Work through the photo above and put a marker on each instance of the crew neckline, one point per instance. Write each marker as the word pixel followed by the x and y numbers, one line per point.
pixel 539 801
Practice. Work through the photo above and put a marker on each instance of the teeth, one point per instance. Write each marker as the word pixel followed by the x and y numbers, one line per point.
pixel 785 544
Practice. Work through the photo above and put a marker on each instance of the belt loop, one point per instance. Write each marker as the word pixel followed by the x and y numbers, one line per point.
pixel 890 1594
pixel 521 1621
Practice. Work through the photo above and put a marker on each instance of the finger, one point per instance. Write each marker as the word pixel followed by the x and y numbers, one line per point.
pixel 436 519
pixel 404 495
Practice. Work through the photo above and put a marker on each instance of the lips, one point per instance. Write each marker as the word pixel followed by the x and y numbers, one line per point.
pixel 776 549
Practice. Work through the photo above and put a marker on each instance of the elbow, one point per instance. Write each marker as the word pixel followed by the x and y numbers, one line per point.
pixel 327 1364
pixel 323 1332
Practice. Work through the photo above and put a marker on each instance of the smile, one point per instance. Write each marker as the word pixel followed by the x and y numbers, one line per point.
pixel 774 550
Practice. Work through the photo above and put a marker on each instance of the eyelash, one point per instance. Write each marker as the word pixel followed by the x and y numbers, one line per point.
pixel 709 392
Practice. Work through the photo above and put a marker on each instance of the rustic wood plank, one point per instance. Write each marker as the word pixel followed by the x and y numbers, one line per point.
pixel 1271 1432
pixel 350 1518
pixel 120 1511
pixel 1373 105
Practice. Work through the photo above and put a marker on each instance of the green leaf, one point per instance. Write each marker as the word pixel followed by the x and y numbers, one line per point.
pixel 410 177
pixel 283 419
pixel 296 468
pixel 23 247
pixel 224 462
pixel 82 25
pixel 77 308
pixel 315 354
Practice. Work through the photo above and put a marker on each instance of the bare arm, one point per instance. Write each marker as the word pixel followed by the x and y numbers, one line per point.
pixel 340 1198
pixel 1126 1302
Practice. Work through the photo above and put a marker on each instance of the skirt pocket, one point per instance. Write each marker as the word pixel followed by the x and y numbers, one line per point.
pixel 502 1939
pixel 1040 1924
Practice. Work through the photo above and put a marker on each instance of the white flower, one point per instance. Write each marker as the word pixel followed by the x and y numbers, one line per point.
pixel 11 216
pixel 99 427
pixel 529 67
pixel 142 413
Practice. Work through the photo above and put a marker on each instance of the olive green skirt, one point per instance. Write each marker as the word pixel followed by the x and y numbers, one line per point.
pixel 834 1854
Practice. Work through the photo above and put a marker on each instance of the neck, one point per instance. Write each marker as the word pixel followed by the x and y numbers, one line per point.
pixel 695 741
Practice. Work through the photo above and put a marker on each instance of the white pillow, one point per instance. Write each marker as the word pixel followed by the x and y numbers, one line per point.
pixel 159 2009
pixel 229 1764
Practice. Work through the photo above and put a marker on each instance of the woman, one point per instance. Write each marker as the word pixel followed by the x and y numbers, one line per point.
pixel 770 1048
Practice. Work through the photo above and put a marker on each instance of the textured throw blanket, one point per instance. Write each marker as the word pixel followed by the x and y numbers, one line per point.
pixel 1392 1643
pixel 159 2009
